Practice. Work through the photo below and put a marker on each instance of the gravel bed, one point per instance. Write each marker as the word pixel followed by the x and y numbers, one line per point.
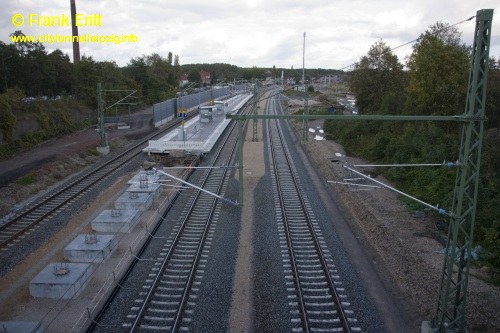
pixel 124 300
pixel 364 309
pixel 211 313
pixel 272 312
pixel 405 248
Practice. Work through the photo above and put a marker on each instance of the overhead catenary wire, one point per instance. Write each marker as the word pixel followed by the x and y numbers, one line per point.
pixel 354 184
pixel 447 164
pixel 196 187
pixel 416 39
pixel 441 211
pixel 214 167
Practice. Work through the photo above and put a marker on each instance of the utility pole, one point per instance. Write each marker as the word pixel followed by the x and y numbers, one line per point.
pixel 254 111
pixel 103 147
pixel 305 123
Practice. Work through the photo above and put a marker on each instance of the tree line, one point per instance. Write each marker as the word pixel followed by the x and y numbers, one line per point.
pixel 433 81
pixel 30 68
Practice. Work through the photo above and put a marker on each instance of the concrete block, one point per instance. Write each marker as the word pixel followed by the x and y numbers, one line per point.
pixel 21 327
pixel 144 188
pixel 134 200
pixel 114 220
pixel 61 280
pixel 151 188
pixel 145 176
pixel 90 248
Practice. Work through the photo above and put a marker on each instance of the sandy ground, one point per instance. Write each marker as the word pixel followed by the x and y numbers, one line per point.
pixel 241 313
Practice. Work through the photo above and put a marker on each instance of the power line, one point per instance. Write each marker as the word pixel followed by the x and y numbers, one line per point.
pixel 416 39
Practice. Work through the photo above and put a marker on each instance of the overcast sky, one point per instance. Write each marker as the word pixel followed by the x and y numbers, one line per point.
pixel 249 33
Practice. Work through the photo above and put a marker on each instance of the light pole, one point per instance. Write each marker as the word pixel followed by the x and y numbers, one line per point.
pixel 305 136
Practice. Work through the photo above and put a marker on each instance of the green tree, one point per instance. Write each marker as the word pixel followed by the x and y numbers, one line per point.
pixel 86 78
pixel 493 94
pixel 61 70
pixel 377 75
pixel 8 101
pixel 10 66
pixel 137 70
pixel 194 76
pixel 162 79
pixel 438 71
pixel 25 48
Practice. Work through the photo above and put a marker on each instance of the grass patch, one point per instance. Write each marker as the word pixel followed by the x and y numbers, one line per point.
pixel 28 179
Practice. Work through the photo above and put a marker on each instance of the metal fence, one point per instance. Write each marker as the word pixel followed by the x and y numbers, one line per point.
pixel 166 110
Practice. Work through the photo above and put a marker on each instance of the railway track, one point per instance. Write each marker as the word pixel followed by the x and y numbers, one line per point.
pixel 166 299
pixel 56 201
pixel 167 303
pixel 317 300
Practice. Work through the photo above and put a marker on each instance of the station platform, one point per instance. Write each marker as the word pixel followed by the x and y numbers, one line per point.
pixel 199 134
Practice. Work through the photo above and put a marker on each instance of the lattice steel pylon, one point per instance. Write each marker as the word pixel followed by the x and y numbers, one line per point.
pixel 255 137
pixel 451 310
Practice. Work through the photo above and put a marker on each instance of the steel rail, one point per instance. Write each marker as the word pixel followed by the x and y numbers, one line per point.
pixel 302 306
pixel 321 256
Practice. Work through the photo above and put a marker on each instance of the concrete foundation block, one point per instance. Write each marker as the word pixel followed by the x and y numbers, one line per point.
pixel 152 188
pixel 90 248
pixel 21 327
pixel 114 220
pixel 146 176
pixel 61 280
pixel 134 200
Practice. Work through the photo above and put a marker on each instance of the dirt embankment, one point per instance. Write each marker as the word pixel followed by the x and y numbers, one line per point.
pixel 34 171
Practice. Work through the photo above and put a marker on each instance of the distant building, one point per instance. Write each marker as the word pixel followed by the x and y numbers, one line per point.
pixel 205 77
pixel 183 80
pixel 329 79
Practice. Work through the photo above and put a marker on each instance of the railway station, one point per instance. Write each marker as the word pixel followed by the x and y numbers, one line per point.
pixel 199 134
